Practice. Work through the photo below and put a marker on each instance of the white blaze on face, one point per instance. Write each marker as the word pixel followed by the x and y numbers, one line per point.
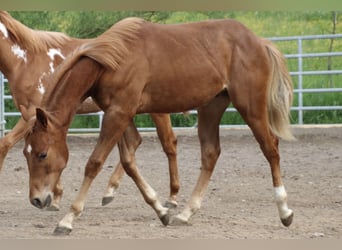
pixel 3 30
pixel 19 52
pixel 281 200
pixel 29 149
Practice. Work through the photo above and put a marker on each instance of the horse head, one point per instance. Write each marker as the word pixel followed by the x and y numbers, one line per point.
pixel 46 153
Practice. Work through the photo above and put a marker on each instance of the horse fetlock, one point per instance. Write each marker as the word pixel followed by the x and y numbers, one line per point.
pixel 179 220
pixel 76 210
pixel 171 204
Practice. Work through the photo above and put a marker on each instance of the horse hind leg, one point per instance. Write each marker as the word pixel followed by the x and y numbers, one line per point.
pixel 209 118
pixel 254 111
pixel 269 146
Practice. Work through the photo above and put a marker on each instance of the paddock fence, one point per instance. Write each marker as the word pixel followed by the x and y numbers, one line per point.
pixel 297 75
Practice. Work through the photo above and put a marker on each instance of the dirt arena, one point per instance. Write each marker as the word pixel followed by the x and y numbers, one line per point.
pixel 238 204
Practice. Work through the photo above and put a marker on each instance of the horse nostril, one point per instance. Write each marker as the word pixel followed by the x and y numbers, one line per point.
pixel 37 203
pixel 48 201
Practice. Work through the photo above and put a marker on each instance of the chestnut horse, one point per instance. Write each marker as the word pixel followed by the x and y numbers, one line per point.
pixel 141 67
pixel 27 58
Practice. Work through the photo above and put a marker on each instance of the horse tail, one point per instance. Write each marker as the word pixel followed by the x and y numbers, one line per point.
pixel 280 94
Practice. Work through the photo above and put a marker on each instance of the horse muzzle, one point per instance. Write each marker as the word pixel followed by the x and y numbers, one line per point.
pixel 41 203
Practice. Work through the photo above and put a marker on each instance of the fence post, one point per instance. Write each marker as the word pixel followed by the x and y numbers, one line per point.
pixel 300 81
pixel 2 105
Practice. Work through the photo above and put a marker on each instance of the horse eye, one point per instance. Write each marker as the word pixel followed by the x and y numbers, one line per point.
pixel 42 155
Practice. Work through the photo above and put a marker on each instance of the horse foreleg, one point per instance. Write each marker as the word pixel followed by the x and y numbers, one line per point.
pixel 57 195
pixel 113 126
pixel 150 196
pixel 169 143
pixel 209 118
pixel 10 139
pixel 113 184
pixel 133 141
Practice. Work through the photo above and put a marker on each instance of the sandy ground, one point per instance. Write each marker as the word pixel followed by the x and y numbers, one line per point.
pixel 238 204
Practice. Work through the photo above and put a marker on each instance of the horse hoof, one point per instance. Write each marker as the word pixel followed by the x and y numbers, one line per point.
pixel 178 221
pixel 287 221
pixel 106 200
pixel 53 208
pixel 62 231
pixel 171 204
pixel 165 219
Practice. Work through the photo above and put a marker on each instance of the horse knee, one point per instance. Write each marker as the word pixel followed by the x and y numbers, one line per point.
pixel 135 143
pixel 170 146
pixel 128 165
pixel 93 167
pixel 210 155
pixel 58 190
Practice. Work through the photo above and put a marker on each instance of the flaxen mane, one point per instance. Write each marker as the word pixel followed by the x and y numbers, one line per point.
pixel 108 49
pixel 32 40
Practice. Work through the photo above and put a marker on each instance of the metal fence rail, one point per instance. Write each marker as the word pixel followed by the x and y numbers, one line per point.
pixel 299 74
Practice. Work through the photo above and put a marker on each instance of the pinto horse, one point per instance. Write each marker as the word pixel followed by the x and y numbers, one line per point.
pixel 27 58
pixel 141 67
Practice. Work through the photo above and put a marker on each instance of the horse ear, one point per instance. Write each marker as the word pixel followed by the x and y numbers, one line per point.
pixel 25 113
pixel 41 117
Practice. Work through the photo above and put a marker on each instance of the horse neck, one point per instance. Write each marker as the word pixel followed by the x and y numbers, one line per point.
pixel 12 56
pixel 63 97
pixel 18 56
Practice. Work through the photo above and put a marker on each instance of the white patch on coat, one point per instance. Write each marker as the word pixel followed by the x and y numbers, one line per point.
pixel 41 88
pixel 19 52
pixel 52 53
pixel 52 69
pixel 55 52
pixel 3 29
